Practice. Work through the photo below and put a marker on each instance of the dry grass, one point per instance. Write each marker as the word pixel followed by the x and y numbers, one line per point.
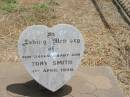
pixel 13 22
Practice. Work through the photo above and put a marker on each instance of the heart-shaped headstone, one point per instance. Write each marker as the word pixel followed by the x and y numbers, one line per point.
pixel 51 55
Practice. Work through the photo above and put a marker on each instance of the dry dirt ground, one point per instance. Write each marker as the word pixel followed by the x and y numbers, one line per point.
pixel 106 34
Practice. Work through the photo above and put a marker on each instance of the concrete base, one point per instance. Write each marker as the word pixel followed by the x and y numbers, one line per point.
pixel 88 82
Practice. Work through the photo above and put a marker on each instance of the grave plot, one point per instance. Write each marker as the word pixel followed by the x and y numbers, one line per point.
pixel 104 46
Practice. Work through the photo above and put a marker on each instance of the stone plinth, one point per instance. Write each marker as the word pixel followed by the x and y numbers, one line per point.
pixel 88 82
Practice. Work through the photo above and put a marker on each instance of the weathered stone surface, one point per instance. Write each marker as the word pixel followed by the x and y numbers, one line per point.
pixel 95 82
pixel 51 55
pixel 88 82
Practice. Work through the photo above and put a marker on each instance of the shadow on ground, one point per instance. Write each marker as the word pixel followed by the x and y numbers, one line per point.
pixel 32 89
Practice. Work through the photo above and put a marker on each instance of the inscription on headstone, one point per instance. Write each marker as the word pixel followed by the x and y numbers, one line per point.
pixel 51 55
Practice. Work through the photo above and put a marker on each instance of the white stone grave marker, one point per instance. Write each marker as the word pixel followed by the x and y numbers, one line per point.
pixel 51 55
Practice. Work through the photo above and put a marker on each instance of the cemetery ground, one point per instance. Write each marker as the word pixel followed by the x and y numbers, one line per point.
pixel 106 33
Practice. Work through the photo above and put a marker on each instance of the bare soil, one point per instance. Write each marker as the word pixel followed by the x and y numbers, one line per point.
pixel 26 2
